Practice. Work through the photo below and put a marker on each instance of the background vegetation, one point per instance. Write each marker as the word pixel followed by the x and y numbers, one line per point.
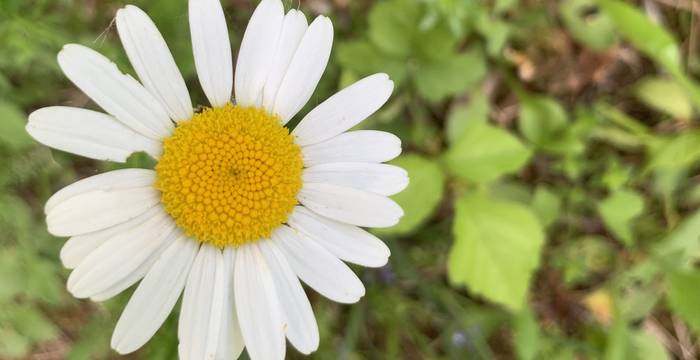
pixel 553 149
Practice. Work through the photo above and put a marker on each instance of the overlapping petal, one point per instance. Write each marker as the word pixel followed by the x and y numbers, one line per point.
pixel 88 133
pixel 153 62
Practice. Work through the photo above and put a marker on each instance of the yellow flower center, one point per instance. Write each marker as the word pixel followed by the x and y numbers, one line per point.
pixel 229 175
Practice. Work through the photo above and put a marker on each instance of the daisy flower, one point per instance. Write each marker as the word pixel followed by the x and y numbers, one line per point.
pixel 238 209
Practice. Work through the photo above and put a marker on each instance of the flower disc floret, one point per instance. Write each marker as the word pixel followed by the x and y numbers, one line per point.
pixel 229 175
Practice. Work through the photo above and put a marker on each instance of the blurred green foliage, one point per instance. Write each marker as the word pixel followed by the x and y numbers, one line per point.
pixel 553 149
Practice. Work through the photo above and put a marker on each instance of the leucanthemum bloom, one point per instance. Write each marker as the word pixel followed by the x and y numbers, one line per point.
pixel 237 209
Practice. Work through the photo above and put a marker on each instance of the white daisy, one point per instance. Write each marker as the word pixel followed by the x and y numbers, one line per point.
pixel 238 209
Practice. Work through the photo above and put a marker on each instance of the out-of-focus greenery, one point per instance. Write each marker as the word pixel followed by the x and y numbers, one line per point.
pixel 553 149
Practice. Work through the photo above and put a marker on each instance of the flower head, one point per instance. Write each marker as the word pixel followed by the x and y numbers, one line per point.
pixel 238 209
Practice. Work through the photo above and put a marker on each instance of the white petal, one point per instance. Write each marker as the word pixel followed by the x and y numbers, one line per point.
pixel 212 50
pixel 122 255
pixel 259 313
pixel 380 179
pixel 302 330
pixel 115 92
pixel 350 205
pixel 203 305
pixel 257 53
pixel 317 267
pixel 305 70
pixel 88 133
pixel 231 341
pixel 347 242
pixel 354 146
pixel 293 29
pixel 77 248
pixel 132 277
pixel 344 110
pixel 153 62
pixel 155 296
pixel 101 201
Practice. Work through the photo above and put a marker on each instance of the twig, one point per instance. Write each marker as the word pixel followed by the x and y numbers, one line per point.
pixel 684 340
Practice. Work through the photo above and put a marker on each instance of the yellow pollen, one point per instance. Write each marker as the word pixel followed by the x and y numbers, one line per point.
pixel 229 175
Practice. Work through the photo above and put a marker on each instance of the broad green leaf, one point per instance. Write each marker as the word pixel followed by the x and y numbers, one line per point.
pixel 485 153
pixel 664 95
pixel 616 174
pixel 391 24
pixel 394 26
pixel 12 344
pixel 618 210
pixel 455 12
pixel 15 214
pixel 510 191
pixel 648 347
pixel 647 36
pixel 502 6
pixel 13 135
pixel 365 59
pixel 674 153
pixel 423 194
pixel 593 29
pixel 618 342
pixel 640 290
pixel 32 324
pixel 453 75
pixel 526 335
pixel 496 249
pixel 477 109
pixel 43 282
pixel 544 122
pixel 495 31
pixel 683 296
pixel 434 44
pixel 546 205
pixel 11 271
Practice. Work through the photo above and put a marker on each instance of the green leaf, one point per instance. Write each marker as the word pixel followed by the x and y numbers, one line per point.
pixel 12 344
pixel 640 290
pixel 391 24
pixel 394 26
pixel 665 96
pixel 365 59
pixel 674 153
pixel 618 344
pixel 11 272
pixel 496 32
pixel 43 282
pixel 647 36
pixel 496 249
pixel 484 153
pixel 526 335
pixel 455 74
pixel 683 243
pixel 595 30
pixel 618 210
pixel 13 136
pixel 477 109
pixel 544 122
pixel 616 174
pixel 683 296
pixel 648 347
pixel 32 324
pixel 546 205
pixel 423 194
